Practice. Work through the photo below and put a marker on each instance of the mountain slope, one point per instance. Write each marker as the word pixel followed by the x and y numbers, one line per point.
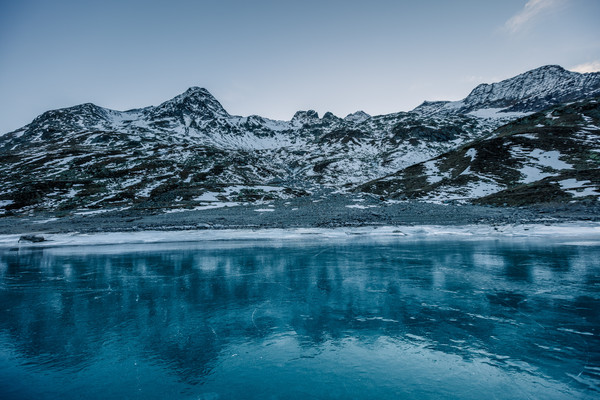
pixel 551 156
pixel 189 152
pixel 531 91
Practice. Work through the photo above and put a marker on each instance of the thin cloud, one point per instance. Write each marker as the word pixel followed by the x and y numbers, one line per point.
pixel 532 9
pixel 592 66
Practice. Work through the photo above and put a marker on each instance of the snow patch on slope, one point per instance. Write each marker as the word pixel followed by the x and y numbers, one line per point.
pixel 497 113
pixel 578 188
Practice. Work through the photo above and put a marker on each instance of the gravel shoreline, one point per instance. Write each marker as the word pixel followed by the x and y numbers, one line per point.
pixel 315 211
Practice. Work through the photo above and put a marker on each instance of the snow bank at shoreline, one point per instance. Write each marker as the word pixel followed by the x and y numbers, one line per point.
pixel 564 231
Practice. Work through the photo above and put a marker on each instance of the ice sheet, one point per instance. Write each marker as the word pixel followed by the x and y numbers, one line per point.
pixel 590 231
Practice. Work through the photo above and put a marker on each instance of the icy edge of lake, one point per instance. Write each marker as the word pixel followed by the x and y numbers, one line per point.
pixel 573 230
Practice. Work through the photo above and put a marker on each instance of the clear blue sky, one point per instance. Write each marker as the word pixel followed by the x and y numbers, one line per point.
pixel 275 57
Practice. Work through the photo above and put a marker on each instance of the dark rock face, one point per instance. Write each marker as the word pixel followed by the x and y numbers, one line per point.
pixel 442 134
pixel 32 238
pixel 329 116
pixel 305 116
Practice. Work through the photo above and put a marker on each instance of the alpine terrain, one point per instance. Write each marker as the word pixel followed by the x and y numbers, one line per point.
pixel 531 139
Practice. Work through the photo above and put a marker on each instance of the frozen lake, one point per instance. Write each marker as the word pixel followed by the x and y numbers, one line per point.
pixel 355 318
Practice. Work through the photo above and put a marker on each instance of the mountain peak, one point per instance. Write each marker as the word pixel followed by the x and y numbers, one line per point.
pixel 305 116
pixel 551 67
pixel 329 116
pixel 357 117
pixel 195 101
pixel 533 90
pixel 196 90
pixel 195 94
pixel 80 112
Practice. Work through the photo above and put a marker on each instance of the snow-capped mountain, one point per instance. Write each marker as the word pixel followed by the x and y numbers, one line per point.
pixel 190 151
pixel 357 117
pixel 550 156
pixel 528 92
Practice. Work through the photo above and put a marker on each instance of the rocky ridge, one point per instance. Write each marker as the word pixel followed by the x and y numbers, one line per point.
pixel 190 153
pixel 549 156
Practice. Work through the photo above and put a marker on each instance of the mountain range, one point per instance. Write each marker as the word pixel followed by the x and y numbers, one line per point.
pixel 528 139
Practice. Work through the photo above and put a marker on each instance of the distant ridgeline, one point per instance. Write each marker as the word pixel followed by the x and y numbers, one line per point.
pixel 529 139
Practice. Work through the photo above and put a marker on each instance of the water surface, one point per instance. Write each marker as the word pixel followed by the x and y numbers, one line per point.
pixel 345 319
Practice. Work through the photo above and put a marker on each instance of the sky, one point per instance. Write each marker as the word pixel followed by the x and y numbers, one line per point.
pixel 273 58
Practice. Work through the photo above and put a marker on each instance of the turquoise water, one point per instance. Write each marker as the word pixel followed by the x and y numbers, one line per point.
pixel 325 320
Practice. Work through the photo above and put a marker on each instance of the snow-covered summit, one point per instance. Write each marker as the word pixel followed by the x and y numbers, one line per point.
pixel 198 112
pixel 195 102
pixel 535 89
pixel 305 117
pixel 357 117
pixel 528 92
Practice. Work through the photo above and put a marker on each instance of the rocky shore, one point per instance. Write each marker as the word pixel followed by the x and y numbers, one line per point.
pixel 320 210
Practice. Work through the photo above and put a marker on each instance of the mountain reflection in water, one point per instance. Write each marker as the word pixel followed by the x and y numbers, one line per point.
pixel 353 319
